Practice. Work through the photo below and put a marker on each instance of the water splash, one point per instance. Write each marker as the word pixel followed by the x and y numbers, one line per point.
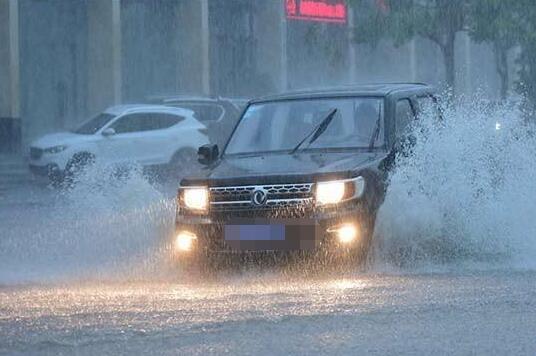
pixel 465 195
pixel 105 225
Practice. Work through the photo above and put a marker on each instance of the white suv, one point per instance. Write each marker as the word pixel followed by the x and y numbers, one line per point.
pixel 150 135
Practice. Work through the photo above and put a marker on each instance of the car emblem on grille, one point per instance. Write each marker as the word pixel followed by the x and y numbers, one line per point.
pixel 259 197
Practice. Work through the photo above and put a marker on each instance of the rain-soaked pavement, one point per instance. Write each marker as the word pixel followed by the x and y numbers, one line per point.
pixel 264 313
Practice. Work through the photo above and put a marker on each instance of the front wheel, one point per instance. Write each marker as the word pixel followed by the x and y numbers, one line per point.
pixel 77 165
pixel 361 254
pixel 55 177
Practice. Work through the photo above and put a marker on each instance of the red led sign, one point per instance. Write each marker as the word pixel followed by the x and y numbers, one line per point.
pixel 317 10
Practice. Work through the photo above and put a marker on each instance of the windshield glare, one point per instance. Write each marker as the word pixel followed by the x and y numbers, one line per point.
pixel 93 125
pixel 280 126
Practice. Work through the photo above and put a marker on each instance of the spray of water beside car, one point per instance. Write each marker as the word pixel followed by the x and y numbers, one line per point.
pixel 302 172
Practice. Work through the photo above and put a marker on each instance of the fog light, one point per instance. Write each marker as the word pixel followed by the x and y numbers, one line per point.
pixel 184 241
pixel 346 233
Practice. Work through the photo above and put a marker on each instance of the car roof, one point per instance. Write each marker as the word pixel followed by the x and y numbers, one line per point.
pixel 189 98
pixel 133 108
pixel 379 89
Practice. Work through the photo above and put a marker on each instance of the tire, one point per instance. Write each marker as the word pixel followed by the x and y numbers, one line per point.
pixel 360 256
pixel 55 177
pixel 77 164
pixel 368 234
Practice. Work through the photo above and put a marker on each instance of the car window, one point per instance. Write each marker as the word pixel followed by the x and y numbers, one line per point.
pixel 94 124
pixel 404 115
pixel 427 105
pixel 145 122
pixel 203 112
pixel 130 123
pixel 163 121
pixel 280 125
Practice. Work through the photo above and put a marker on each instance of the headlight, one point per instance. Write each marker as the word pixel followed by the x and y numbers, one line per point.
pixel 195 198
pixel 55 149
pixel 330 192
pixel 334 192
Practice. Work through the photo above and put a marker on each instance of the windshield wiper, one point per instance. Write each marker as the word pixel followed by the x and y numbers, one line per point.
pixel 376 131
pixel 318 130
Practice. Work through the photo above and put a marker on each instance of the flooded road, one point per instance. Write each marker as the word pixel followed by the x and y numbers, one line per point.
pixel 470 313
pixel 87 276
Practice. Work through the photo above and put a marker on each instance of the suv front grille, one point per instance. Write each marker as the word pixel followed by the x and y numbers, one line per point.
pixel 277 196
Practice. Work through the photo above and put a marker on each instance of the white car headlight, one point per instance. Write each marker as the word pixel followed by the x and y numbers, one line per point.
pixel 195 198
pixel 55 149
pixel 334 192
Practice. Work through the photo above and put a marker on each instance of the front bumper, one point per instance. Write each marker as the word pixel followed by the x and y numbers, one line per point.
pixel 48 170
pixel 48 164
pixel 317 231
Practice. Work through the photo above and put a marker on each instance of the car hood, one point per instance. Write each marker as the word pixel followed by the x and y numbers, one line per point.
pixel 60 138
pixel 278 167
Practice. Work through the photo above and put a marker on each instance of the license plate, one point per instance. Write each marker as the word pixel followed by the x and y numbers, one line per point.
pixel 275 232
pixel 280 235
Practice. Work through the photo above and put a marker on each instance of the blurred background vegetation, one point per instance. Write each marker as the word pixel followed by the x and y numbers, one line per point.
pixel 506 25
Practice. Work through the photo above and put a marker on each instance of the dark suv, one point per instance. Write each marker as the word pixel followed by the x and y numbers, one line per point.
pixel 303 171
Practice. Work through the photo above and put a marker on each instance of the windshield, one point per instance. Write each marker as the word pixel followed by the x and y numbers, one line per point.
pixel 93 125
pixel 280 126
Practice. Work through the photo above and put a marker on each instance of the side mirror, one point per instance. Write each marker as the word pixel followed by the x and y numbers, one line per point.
pixel 108 132
pixel 207 154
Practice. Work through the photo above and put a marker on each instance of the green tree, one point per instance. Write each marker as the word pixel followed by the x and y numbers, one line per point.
pixel 526 13
pixel 498 23
pixel 402 20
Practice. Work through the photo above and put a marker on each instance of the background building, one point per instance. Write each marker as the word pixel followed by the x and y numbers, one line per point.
pixel 64 60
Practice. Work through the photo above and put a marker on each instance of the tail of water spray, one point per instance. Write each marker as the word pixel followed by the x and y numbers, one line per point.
pixel 466 194
pixel 105 224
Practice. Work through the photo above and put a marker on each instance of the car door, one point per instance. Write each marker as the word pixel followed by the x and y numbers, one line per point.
pixel 123 146
pixel 428 105
pixel 404 117
pixel 157 141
